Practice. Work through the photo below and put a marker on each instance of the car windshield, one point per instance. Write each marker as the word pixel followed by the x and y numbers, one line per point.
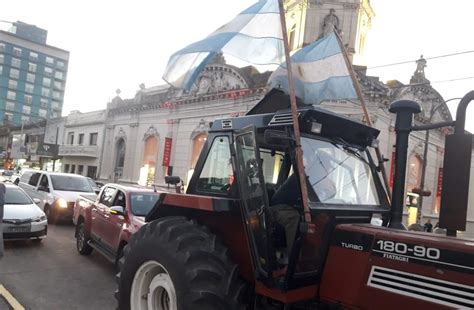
pixel 71 183
pixel 338 174
pixel 142 203
pixel 92 183
pixel 15 196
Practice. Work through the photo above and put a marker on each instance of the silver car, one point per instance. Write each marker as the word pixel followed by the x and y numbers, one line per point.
pixel 22 218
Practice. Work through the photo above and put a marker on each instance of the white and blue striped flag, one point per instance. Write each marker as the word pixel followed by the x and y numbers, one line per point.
pixel 253 37
pixel 320 73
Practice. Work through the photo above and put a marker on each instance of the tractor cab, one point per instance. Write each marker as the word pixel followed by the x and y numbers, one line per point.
pixel 251 159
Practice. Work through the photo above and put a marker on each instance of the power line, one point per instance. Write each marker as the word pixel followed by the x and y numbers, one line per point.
pixel 428 58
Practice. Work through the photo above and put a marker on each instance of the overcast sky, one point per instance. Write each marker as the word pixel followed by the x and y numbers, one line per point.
pixel 121 44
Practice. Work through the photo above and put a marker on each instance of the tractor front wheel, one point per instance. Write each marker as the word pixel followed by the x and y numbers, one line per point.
pixel 174 263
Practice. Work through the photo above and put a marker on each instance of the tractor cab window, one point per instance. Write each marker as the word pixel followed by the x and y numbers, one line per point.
pixel 271 164
pixel 338 173
pixel 217 174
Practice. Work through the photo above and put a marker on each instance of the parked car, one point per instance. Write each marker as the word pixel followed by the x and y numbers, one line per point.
pixel 56 191
pixel 105 222
pixel 22 218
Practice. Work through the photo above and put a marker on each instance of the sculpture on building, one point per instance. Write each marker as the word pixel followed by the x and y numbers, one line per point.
pixel 419 75
pixel 331 23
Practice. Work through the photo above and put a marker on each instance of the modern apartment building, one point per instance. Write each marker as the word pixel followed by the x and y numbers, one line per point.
pixel 32 75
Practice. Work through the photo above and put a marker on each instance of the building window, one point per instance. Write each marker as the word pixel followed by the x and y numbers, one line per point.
pixel 93 138
pixel 25 119
pixel 91 172
pixel 60 64
pixel 45 92
pixel 2 59
pixel 48 71
pixel 2 47
pixel 8 116
pixel 28 99
pixel 56 95
pixel 59 75
pixel 17 51
pixel 29 88
pixel 33 56
pixel 12 84
pixel 49 60
pixel 14 73
pixel 1 69
pixel 80 169
pixel 66 168
pixel 54 114
pixel 70 138
pixel 81 139
pixel 58 85
pixel 16 62
pixel 42 112
pixel 26 109
pixel 11 95
pixel 31 67
pixel 10 106
pixel 55 105
pixel 30 77
pixel 73 168
pixel 43 102
pixel 46 82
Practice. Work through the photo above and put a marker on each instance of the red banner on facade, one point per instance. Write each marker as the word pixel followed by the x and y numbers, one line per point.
pixel 167 152
pixel 392 169
pixel 439 188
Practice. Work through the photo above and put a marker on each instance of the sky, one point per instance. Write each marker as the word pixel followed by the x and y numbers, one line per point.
pixel 119 44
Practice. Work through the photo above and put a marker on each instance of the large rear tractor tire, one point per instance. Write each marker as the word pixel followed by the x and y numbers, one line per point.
pixel 174 263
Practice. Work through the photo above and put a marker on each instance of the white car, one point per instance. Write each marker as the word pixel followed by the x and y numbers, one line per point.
pixel 57 192
pixel 22 218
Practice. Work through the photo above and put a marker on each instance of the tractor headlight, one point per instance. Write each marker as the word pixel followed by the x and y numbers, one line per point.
pixel 61 203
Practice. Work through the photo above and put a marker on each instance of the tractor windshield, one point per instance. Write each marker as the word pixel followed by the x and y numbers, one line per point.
pixel 338 174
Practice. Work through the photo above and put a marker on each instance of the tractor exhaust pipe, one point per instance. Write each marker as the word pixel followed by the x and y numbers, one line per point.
pixel 456 169
pixel 403 125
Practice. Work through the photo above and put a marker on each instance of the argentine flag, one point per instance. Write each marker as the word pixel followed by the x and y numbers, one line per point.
pixel 253 37
pixel 320 73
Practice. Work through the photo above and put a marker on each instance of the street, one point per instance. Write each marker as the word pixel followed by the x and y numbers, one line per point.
pixel 52 275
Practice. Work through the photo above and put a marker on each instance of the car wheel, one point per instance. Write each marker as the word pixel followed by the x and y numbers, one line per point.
pixel 81 240
pixel 174 263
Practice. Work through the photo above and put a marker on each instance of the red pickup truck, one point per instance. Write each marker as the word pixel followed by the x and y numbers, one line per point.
pixel 105 222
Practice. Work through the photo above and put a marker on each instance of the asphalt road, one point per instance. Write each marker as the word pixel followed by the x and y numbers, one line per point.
pixel 52 275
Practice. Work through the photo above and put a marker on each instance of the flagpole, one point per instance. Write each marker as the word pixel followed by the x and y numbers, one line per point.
pixel 294 117
pixel 358 90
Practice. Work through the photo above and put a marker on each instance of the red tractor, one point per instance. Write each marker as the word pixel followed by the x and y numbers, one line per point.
pixel 237 239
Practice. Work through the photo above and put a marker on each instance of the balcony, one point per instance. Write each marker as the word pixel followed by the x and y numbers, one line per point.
pixel 79 150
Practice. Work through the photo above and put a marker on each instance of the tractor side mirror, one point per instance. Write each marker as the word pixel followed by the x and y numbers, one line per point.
pixel 277 137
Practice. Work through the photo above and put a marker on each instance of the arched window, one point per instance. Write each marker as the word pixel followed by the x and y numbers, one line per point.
pixel 151 151
pixel 150 154
pixel 198 143
pixel 119 157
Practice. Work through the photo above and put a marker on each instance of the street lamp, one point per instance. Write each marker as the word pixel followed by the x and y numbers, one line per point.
pixel 423 193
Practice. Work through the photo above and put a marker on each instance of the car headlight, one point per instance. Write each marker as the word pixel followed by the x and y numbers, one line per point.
pixel 61 203
pixel 39 218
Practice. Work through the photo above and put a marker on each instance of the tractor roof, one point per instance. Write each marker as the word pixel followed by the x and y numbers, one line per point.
pixel 331 125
